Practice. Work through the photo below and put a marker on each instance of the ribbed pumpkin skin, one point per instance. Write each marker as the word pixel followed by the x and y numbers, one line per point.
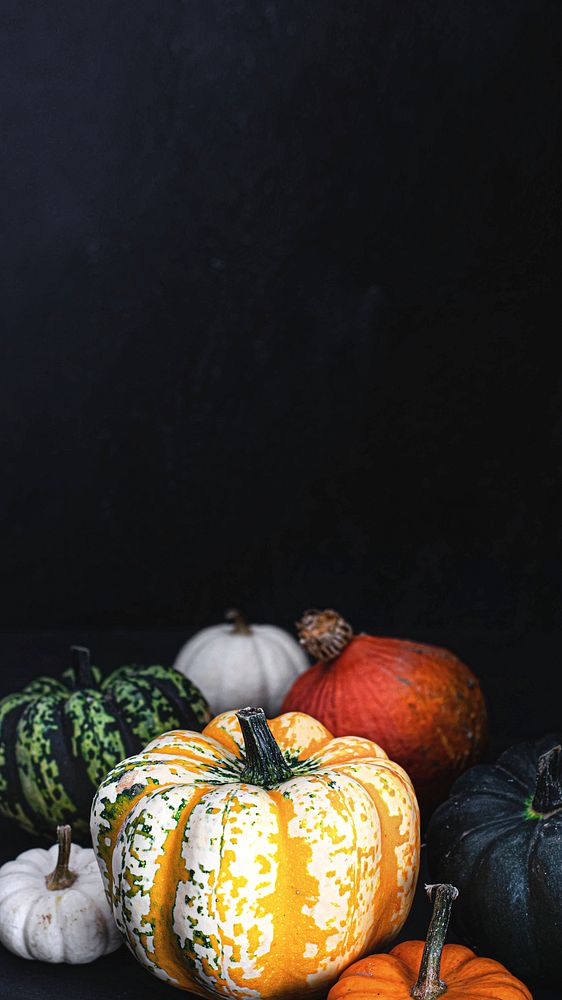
pixel 419 702
pixel 506 862
pixel 57 741
pixel 391 977
pixel 226 889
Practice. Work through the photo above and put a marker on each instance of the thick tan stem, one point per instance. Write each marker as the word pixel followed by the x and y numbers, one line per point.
pixel 61 877
pixel 239 623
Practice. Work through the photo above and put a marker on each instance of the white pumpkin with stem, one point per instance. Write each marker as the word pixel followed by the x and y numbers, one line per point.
pixel 235 664
pixel 53 906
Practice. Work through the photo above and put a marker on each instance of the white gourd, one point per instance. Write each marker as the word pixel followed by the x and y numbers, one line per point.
pixel 53 906
pixel 236 664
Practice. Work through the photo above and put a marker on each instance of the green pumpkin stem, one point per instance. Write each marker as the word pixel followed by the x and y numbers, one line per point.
pixel 80 663
pixel 429 985
pixel 61 877
pixel 265 764
pixel 548 791
pixel 239 624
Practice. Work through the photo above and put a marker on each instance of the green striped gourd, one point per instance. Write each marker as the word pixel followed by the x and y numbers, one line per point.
pixel 59 738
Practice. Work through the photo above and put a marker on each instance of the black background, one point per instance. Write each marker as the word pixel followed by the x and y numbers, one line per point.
pixel 280 281
pixel 280 285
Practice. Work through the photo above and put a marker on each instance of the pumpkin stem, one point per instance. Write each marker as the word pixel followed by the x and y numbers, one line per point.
pixel 239 624
pixel 429 985
pixel 548 791
pixel 61 877
pixel 265 764
pixel 80 663
pixel 324 634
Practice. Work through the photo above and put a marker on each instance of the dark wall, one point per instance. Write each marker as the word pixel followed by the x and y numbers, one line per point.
pixel 279 280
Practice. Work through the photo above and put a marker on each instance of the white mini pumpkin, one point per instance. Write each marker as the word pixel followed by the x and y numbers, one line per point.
pixel 53 906
pixel 236 664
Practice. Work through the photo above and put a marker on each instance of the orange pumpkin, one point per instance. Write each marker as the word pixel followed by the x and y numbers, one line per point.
pixel 414 968
pixel 419 702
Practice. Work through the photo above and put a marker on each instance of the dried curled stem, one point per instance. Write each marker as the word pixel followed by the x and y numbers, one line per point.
pixel 324 634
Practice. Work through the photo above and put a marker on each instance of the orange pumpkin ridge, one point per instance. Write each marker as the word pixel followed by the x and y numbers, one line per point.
pixel 420 702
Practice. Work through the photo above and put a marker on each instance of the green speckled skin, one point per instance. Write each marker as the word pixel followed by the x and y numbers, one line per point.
pixel 59 740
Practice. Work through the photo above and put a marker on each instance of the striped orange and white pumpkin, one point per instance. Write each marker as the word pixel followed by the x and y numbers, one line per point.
pixel 256 861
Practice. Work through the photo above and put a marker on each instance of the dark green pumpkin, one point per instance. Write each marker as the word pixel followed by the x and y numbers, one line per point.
pixel 59 738
pixel 499 839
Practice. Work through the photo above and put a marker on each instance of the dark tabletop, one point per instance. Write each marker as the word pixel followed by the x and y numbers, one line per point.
pixel 118 976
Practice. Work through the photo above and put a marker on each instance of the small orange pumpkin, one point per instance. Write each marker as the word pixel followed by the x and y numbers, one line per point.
pixel 414 968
